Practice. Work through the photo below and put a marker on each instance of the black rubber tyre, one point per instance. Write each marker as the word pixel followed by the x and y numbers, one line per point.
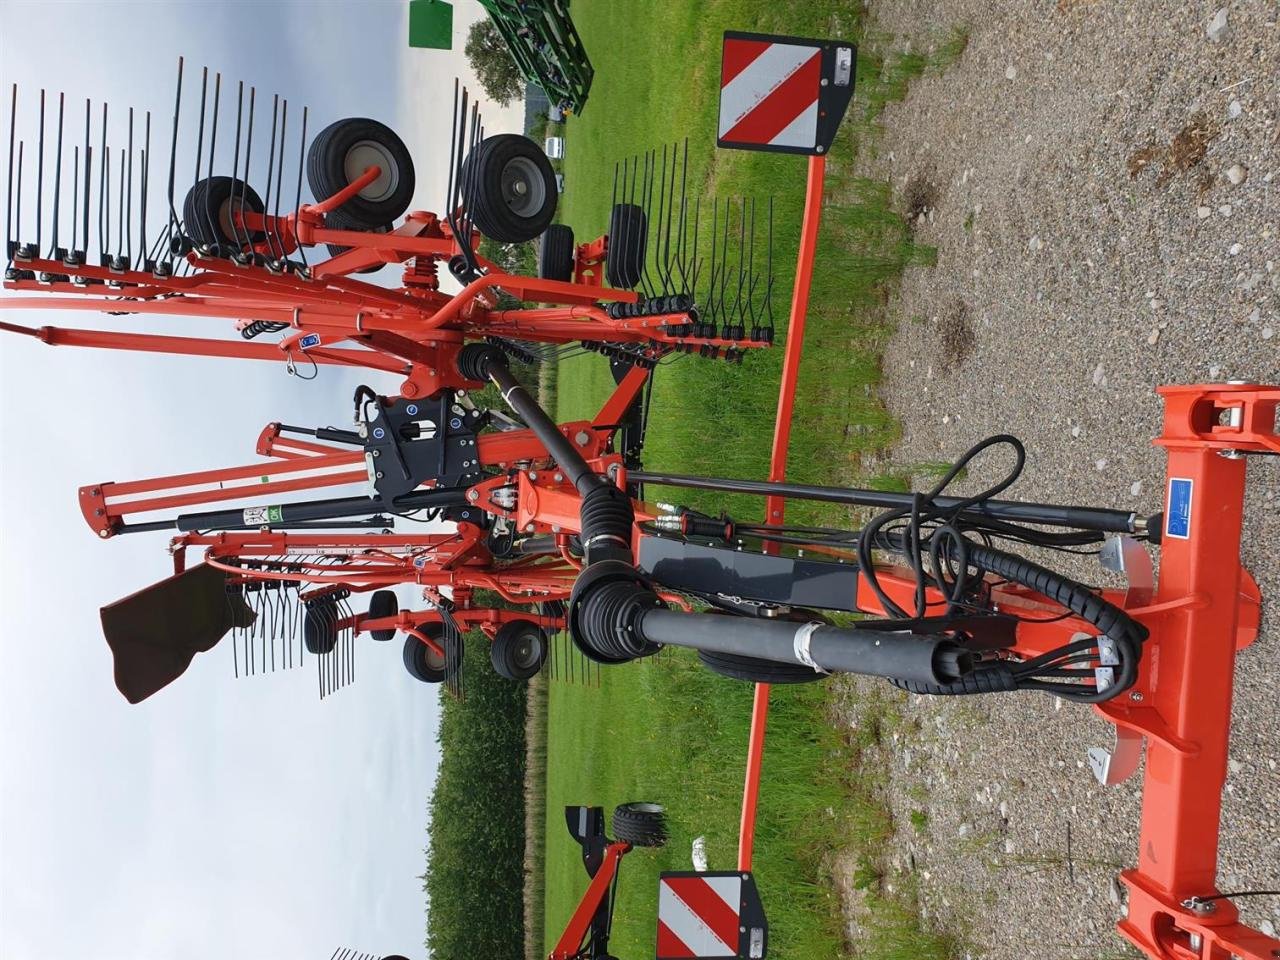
pixel 509 188
pixel 342 151
pixel 383 603
pixel 640 824
pixel 421 661
pixel 207 209
pixel 628 241
pixel 753 670
pixel 519 650
pixel 555 253
pixel 341 221
pixel 320 627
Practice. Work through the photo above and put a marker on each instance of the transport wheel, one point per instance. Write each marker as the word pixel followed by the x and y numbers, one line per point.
pixel 640 824
pixel 320 626
pixel 342 151
pixel 509 188
pixel 341 221
pixel 754 670
pixel 518 650
pixel 555 253
pixel 628 239
pixel 208 207
pixel 383 604
pixel 422 662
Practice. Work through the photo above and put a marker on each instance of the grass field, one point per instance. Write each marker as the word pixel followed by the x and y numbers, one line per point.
pixel 668 730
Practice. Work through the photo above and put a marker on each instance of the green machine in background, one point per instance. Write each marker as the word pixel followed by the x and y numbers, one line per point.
pixel 539 33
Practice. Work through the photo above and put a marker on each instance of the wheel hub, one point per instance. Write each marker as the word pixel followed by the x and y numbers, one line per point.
pixel 369 153
pixel 523 190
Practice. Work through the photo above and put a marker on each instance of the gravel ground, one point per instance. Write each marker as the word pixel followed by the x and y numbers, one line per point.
pixel 1078 165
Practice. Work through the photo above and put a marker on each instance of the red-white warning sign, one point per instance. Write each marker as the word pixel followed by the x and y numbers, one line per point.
pixel 784 94
pixel 698 916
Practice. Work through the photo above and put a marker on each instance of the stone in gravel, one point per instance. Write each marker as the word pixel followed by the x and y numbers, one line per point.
pixel 1113 891
pixel 1203 212
pixel 1101 464
pixel 1004 809
pixel 1035 243
pixel 964 830
pixel 1136 489
pixel 1217 25
pixel 1009 846
pixel 1234 109
pixel 1268 333
pixel 1234 766
pixel 1237 173
pixel 1234 250
pixel 1225 209
pixel 1075 431
pixel 1153 336
pixel 1267 927
pixel 1097 375
pixel 1011 72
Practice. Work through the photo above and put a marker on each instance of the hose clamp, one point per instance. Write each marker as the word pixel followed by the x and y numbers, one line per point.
pixel 800 645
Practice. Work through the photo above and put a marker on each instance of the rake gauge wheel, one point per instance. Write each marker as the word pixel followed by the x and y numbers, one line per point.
pixel 555 253
pixel 640 824
pixel 338 220
pixel 509 189
pixel 342 151
pixel 207 212
pixel 519 650
pixel 425 664
pixel 382 604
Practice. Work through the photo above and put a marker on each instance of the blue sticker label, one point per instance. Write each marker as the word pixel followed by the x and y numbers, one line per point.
pixel 378 433
pixel 1177 519
pixel 309 341
pixel 411 409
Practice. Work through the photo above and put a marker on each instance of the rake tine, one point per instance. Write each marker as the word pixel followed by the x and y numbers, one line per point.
pixel 713 270
pixel 453 152
pixel 742 258
pixel 725 268
pixel 671 206
pixel 204 95
pixel 297 196
pixel 173 159
pixel 752 279
pixel 104 196
pixel 147 256
pixel 275 218
pixel 75 200
pixel 18 211
pixel 54 253
pixel 126 219
pixel 40 177
pixel 235 166
pixel 768 290
pixel 460 133
pixel 646 197
pixel 88 164
pixel 211 218
pixel 9 238
pixel 684 220
pixel 271 161
pixel 120 226
pixel 244 181
pixel 662 199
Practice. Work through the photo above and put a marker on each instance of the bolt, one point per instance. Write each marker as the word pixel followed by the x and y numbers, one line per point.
pixel 559 478
pixel 823 82
pixel 473 494
pixel 377 453
pixel 555 528
pixel 99 512
pixel 96 491
pixel 582 438
pixel 533 476
pixel 104 533
pixel 1136 696
pixel 1231 454
pixel 379 474
pixel 528 528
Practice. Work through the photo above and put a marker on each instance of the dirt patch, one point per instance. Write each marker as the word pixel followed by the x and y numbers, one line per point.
pixel 919 197
pixel 1187 149
pixel 956 336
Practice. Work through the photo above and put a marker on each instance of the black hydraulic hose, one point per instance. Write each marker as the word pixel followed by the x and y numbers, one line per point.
pixel 872 653
pixel 1083 518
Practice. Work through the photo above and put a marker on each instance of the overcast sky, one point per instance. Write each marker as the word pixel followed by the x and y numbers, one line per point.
pixel 221 818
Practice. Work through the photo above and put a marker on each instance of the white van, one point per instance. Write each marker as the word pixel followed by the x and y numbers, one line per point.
pixel 554 148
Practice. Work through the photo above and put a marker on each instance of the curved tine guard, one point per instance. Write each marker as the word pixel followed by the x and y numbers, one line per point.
pixel 616 616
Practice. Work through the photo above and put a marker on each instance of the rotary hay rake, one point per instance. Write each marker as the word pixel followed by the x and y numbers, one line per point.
pixel 958 615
